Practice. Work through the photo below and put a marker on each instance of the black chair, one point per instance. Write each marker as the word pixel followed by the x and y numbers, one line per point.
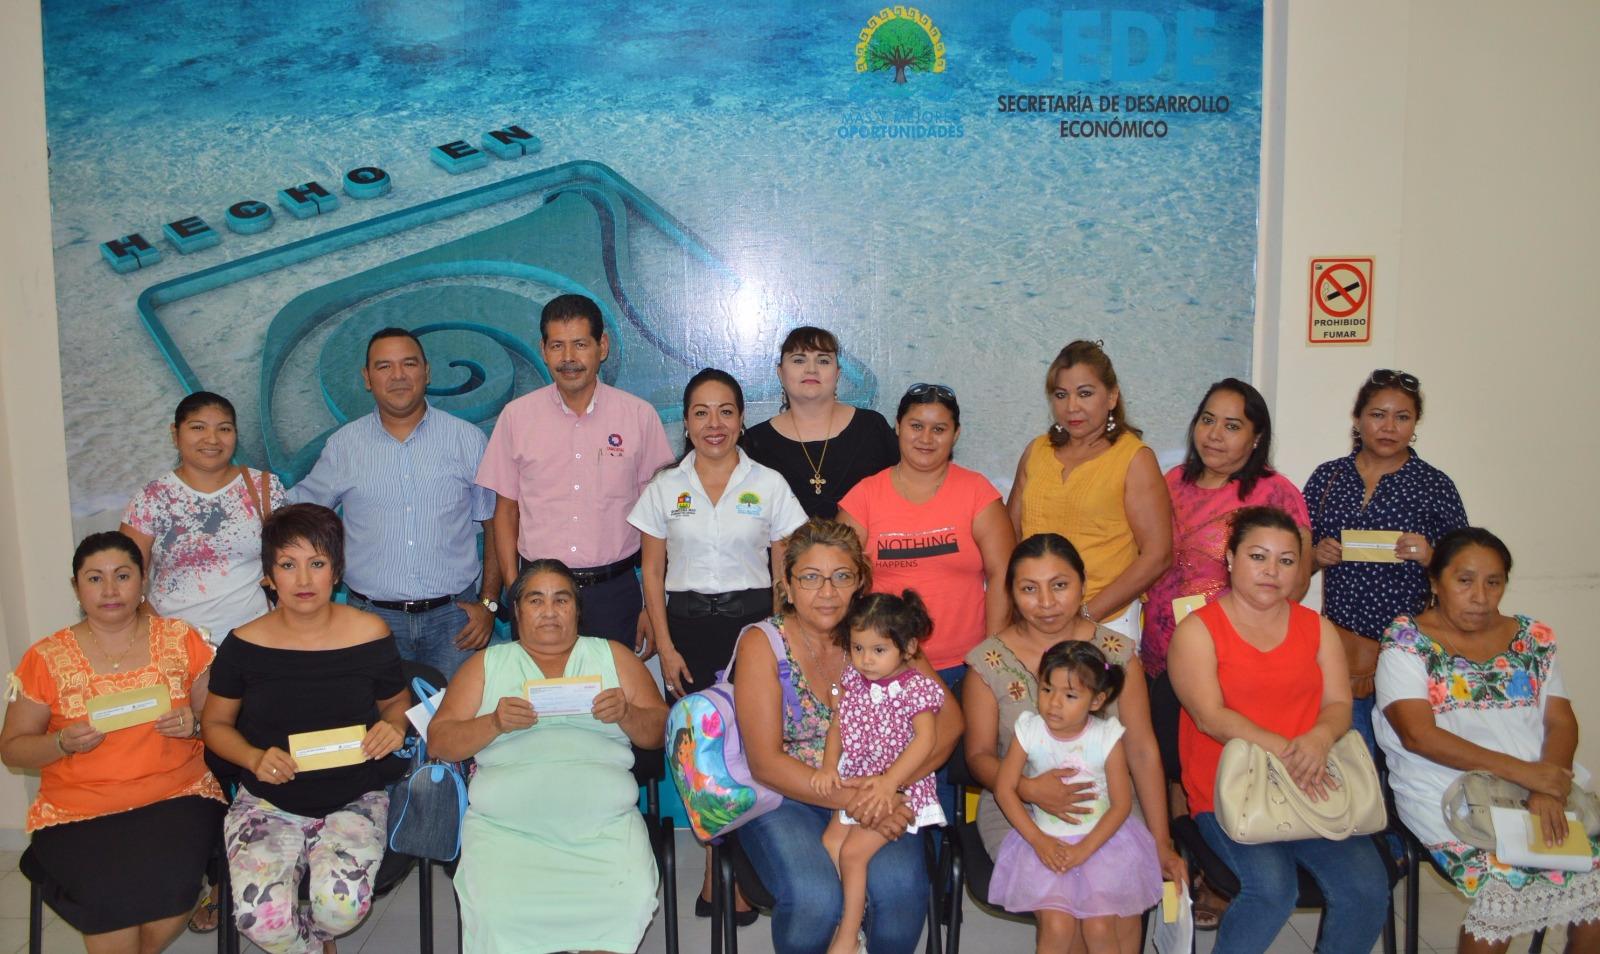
pixel 971 867
pixel 1222 879
pixel 649 770
pixel 731 868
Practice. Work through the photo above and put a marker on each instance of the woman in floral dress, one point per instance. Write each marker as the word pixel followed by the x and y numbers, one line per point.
pixel 1462 687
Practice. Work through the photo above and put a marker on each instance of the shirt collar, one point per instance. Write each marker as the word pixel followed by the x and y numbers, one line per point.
pixel 561 403
pixel 377 423
pixel 686 466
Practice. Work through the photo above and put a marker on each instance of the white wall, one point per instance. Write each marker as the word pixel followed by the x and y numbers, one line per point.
pixel 1460 144
pixel 1457 142
pixel 35 524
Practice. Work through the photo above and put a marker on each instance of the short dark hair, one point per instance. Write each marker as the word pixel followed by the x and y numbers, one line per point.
pixel 808 338
pixel 1257 465
pixel 1452 543
pixel 103 541
pixel 929 394
pixel 1370 389
pixel 1039 545
pixel 1246 519
pixel 899 619
pixel 572 308
pixel 312 524
pixel 392 332
pixel 198 401
pixel 1085 660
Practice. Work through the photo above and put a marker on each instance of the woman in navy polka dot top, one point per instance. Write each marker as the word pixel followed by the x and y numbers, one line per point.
pixel 1381 485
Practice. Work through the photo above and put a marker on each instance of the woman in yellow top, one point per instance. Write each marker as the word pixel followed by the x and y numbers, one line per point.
pixel 1092 480
pixel 127 814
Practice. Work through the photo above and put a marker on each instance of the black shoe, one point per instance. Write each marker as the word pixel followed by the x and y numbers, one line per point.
pixel 746 918
pixel 702 907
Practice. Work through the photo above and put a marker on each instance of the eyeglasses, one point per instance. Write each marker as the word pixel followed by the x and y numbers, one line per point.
pixel 841 580
pixel 937 390
pixel 1385 378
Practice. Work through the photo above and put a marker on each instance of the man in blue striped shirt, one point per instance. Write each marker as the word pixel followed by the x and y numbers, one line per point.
pixel 404 478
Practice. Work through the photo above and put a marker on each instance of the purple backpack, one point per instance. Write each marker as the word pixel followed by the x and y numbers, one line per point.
pixel 706 757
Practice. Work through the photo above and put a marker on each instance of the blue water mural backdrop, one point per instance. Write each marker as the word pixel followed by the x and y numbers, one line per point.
pixel 713 173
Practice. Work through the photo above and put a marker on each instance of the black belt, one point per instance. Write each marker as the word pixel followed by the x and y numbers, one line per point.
pixel 687 604
pixel 404 606
pixel 590 575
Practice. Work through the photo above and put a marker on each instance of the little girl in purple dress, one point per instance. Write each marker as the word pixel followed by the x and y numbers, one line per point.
pixel 1082 874
pixel 882 730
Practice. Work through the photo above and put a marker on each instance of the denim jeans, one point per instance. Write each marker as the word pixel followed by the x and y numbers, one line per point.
pixel 428 638
pixel 785 848
pixel 1350 874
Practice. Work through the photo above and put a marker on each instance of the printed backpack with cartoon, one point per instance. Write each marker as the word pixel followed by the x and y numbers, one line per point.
pixel 706 757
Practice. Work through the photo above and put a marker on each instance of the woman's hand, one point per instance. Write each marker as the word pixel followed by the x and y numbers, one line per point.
pixel 875 795
pixel 1413 547
pixel 79 737
pixel 177 724
pixel 1328 551
pixel 610 706
pixel 1552 815
pixel 381 740
pixel 274 766
pixel 1306 758
pixel 1546 778
pixel 894 822
pixel 1056 793
pixel 1173 867
pixel 674 671
pixel 824 782
pixel 513 713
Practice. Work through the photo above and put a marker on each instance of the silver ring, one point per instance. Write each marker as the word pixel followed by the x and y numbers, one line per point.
pixel 274 771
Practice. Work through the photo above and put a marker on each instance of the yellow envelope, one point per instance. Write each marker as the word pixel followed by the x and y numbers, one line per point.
pixel 1184 605
pixel 328 748
pixel 1576 844
pixel 1169 901
pixel 572 695
pixel 1369 546
pixel 119 710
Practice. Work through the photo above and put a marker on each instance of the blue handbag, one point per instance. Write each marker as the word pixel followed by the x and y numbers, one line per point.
pixel 426 808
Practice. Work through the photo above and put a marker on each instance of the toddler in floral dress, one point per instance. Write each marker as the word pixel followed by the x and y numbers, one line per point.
pixel 882 732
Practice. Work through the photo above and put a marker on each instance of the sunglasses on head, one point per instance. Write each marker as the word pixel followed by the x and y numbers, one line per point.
pixel 937 390
pixel 1385 378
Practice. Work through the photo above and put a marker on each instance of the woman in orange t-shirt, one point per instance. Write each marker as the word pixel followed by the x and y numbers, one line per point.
pixel 125 819
pixel 1255 665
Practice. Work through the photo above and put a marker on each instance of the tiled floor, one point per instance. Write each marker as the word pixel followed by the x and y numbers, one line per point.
pixel 392 928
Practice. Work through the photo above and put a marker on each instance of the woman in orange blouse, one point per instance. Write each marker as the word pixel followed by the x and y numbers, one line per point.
pixel 1092 480
pixel 125 819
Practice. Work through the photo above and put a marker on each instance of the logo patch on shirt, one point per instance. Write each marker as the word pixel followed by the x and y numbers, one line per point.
pixel 749 504
pixel 615 440
pixel 685 506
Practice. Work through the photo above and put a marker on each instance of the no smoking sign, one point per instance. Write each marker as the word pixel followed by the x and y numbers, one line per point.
pixel 1341 301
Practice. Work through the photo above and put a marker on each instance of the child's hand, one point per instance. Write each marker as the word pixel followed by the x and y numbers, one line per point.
pixel 1053 853
pixel 824 782
pixel 876 795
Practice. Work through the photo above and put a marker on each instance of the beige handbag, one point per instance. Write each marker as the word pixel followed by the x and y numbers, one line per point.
pixel 1257 801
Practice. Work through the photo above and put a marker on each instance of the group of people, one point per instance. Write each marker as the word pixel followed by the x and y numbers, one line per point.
pixel 1091 642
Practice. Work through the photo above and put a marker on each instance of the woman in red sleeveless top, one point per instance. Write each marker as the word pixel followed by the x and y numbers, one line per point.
pixel 1256 666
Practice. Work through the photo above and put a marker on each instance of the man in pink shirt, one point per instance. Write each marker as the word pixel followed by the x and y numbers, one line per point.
pixel 567 463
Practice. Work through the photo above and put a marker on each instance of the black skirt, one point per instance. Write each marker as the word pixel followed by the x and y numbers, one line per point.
pixel 122 870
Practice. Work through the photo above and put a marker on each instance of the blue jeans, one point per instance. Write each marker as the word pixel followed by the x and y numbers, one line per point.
pixel 428 638
pixel 1350 874
pixel 785 848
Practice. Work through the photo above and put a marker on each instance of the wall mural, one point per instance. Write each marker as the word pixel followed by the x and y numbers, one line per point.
pixel 243 192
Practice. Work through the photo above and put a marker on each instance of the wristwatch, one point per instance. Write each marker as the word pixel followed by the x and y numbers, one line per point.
pixel 490 605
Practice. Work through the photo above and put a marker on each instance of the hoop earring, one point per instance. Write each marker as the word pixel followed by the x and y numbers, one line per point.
pixel 1413 437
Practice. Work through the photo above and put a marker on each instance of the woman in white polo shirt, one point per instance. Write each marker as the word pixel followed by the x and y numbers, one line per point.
pixel 707 524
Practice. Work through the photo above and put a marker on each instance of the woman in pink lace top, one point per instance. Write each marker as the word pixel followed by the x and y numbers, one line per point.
pixel 1230 444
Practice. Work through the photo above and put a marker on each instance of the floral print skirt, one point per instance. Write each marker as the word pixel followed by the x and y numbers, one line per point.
pixel 1508 900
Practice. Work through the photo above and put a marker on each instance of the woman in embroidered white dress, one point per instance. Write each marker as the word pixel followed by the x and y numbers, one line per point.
pixel 1461 688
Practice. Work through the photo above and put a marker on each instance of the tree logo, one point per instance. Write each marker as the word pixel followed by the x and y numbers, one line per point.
pixel 901 39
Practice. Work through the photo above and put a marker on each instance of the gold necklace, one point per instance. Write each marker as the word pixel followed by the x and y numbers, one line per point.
pixel 816 663
pixel 100 647
pixel 817 480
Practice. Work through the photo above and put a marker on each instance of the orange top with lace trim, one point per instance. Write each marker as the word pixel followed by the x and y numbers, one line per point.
pixel 135 766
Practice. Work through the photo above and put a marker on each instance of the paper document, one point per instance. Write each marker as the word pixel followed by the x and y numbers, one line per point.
pixel 1369 546
pixel 573 695
pixel 119 710
pixel 328 748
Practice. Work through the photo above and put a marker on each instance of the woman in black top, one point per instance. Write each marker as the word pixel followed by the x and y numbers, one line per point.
pixel 820 445
pixel 307 666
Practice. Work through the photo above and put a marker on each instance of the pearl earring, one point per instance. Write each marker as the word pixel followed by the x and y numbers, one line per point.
pixel 1111 424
